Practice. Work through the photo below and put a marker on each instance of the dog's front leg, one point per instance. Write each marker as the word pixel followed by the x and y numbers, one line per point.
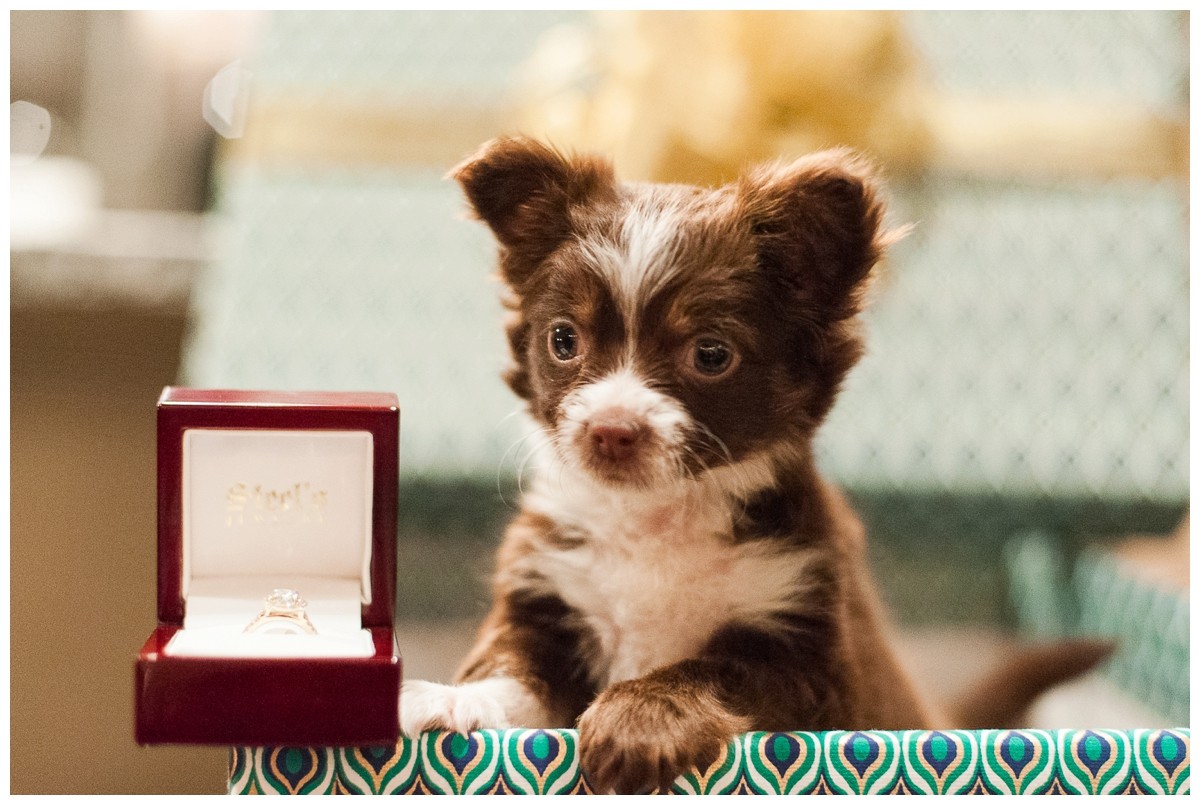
pixel 643 733
pixel 497 702
pixel 523 672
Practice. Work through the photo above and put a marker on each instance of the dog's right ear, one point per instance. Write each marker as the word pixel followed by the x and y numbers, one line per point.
pixel 524 190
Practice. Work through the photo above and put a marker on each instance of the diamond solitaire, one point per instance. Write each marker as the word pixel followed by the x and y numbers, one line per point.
pixel 282 613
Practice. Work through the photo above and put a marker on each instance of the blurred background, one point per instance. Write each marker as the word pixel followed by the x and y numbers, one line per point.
pixel 256 200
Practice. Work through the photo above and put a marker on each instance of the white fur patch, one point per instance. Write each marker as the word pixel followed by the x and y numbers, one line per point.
pixel 498 702
pixel 642 258
pixel 658 575
pixel 624 390
pixel 743 478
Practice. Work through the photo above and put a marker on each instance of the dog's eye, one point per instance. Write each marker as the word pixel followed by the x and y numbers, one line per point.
pixel 564 342
pixel 712 356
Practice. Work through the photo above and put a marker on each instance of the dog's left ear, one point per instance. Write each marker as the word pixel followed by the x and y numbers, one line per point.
pixel 818 223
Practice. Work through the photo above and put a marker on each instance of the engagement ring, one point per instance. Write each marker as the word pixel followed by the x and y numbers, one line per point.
pixel 283 613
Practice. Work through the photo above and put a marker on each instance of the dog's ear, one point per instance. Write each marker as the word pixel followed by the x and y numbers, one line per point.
pixel 818 225
pixel 524 190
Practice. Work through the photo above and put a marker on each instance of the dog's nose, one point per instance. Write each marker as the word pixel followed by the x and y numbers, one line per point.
pixel 615 439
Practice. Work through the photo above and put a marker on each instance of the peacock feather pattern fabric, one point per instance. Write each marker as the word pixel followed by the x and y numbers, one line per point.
pixel 861 762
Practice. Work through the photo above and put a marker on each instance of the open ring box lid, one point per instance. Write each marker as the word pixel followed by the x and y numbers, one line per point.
pixel 259 491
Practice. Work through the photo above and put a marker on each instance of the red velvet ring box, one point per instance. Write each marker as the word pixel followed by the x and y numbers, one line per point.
pixel 259 491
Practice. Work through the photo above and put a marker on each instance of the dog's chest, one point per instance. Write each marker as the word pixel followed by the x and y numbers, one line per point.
pixel 654 587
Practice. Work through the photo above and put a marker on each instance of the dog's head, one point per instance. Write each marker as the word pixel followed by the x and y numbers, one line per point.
pixel 661 331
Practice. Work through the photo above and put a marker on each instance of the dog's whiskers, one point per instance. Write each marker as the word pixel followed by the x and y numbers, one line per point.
pixel 520 462
pixel 534 451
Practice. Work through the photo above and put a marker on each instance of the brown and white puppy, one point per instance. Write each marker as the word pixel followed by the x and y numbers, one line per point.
pixel 678 572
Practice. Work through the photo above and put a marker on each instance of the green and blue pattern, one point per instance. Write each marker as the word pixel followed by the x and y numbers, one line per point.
pixel 1018 761
pixel 284 770
pixel 941 762
pixel 867 762
pixel 781 762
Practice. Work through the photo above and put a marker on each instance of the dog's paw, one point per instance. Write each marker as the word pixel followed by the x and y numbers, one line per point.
pixel 459 708
pixel 637 738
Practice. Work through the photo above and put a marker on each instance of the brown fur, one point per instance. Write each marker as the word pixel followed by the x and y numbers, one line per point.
pixel 779 263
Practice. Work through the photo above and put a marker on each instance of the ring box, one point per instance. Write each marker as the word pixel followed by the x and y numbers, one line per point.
pixel 259 491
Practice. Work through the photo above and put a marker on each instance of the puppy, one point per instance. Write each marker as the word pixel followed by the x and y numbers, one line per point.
pixel 679 572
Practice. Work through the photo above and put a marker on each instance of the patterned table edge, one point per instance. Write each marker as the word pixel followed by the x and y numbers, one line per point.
pixel 871 762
